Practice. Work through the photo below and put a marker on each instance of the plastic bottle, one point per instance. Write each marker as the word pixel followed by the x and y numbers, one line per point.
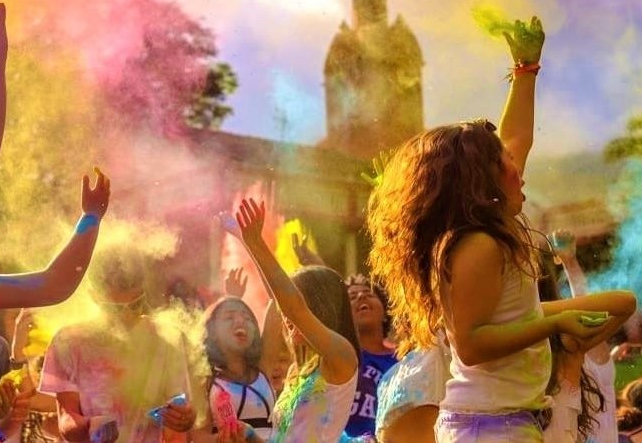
pixel 225 414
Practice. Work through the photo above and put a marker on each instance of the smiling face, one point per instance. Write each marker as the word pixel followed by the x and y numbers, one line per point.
pixel 367 309
pixel 234 327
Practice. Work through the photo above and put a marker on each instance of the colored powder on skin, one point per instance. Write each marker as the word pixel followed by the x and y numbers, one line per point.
pixel 86 222
pixel 297 393
pixel 27 283
pixel 153 240
pixel 59 117
pixel 492 20
pixel 175 327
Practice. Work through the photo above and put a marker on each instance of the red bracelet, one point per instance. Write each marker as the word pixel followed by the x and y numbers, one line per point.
pixel 521 68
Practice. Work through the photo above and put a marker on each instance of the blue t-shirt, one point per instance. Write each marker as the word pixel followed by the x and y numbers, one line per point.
pixel 364 407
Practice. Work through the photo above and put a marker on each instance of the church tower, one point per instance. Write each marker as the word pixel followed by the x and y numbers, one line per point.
pixel 372 83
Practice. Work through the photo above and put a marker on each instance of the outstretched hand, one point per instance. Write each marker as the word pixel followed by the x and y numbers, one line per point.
pixel 250 218
pixel 95 200
pixel 179 418
pixel 573 322
pixel 526 41
pixel 235 283
pixel 379 163
pixel 304 253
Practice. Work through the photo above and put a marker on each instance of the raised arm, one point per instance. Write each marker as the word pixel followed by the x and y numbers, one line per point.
pixel 472 298
pixel 336 352
pixel 4 46
pixel 517 121
pixel 565 247
pixel 61 278
pixel 235 283
pixel 274 347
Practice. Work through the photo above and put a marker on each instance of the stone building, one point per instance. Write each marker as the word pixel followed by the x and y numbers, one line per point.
pixel 373 88
pixel 373 102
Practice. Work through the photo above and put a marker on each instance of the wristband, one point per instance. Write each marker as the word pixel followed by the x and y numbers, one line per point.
pixel 86 222
pixel 522 68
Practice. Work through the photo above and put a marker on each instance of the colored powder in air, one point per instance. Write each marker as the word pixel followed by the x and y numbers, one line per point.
pixel 492 20
pixel 284 251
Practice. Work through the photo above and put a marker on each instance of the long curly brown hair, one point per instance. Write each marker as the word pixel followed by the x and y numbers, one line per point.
pixel 438 187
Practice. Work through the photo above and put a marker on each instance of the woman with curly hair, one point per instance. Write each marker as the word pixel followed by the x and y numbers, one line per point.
pixel 454 251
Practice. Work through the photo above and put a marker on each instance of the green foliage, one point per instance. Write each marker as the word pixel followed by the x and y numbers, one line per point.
pixel 627 146
pixel 208 109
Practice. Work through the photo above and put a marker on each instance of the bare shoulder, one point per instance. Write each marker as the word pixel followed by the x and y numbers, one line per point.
pixel 477 246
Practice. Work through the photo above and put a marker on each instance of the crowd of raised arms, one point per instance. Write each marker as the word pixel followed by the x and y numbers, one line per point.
pixel 458 333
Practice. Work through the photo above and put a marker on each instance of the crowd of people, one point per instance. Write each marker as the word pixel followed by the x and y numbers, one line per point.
pixel 459 334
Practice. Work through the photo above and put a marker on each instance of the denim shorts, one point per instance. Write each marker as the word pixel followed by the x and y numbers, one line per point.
pixel 514 427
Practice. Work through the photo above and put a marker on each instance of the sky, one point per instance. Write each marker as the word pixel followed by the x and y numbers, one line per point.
pixel 589 86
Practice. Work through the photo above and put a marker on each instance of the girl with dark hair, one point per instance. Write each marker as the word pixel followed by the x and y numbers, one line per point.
pixel 454 252
pixel 315 403
pixel 578 398
pixel 233 346
pixel 369 303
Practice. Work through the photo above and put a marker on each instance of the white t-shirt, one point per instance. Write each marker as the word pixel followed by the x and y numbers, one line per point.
pixel 119 374
pixel 604 375
pixel 322 417
pixel 567 405
pixel 418 379
pixel 512 383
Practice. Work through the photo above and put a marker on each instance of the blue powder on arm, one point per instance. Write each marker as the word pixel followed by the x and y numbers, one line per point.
pixel 86 222
pixel 25 282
